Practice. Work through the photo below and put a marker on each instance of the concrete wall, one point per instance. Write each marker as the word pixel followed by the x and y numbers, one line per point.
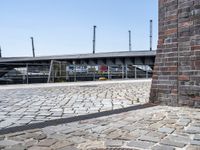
pixel 176 78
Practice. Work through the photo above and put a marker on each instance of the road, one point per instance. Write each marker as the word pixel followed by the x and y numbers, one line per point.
pixel 27 104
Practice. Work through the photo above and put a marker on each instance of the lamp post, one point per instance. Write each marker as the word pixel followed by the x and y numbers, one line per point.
pixel 129 32
pixel 74 64
pixel 151 34
pixel 94 39
pixel 33 47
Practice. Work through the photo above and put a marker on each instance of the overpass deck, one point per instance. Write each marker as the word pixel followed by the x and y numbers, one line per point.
pixel 127 62
pixel 124 54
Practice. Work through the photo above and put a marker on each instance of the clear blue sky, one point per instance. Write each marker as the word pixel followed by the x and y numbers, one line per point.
pixel 65 26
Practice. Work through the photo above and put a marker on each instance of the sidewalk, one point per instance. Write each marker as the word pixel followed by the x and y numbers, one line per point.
pixel 158 128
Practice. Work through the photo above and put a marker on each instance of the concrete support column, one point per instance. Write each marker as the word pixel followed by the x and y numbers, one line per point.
pixel 146 71
pixel 75 73
pixel 126 71
pixel 108 72
pixel 67 73
pixel 74 66
pixel 135 72
pixel 50 71
pixel 60 69
pixel 94 71
pixel 63 71
pixel 122 71
pixel 27 74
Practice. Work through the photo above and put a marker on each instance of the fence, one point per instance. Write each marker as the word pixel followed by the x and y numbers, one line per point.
pixel 58 71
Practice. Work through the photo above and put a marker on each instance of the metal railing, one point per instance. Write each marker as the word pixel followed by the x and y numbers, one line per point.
pixel 57 71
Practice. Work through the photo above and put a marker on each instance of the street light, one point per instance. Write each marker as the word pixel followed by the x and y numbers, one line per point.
pixel 151 34
pixel 130 49
pixel 94 39
pixel 33 48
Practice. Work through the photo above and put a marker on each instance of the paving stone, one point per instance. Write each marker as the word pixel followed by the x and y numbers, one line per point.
pixel 48 131
pixel 16 138
pixel 193 130
pixel 61 144
pixel 156 125
pixel 39 148
pixel 128 137
pixel 162 147
pixel 89 145
pixel 149 138
pixel 30 143
pixel 15 134
pixel 69 130
pixel 197 124
pixel 129 128
pixel 99 129
pixel 39 136
pixel 169 121
pixel 192 147
pixel 183 122
pixel 140 144
pixel 180 138
pixel 156 134
pixel 195 142
pixel 59 136
pixel 76 139
pixel 8 143
pixel 69 148
pixel 114 143
pixel 47 142
pixel 196 137
pixel 166 130
pixel 137 133
pixel 172 143
pixel 17 147
pixel 114 135
pixel 4 124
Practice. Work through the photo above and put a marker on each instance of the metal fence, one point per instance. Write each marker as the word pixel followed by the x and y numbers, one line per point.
pixel 62 72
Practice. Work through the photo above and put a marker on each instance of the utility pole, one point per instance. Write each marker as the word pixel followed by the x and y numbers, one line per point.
pixel 130 49
pixel 94 39
pixel 0 52
pixel 151 34
pixel 33 48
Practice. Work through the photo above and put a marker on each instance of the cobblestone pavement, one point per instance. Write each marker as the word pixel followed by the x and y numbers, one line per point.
pixel 157 128
pixel 25 104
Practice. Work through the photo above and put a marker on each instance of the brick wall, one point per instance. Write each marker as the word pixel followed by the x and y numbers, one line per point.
pixel 176 77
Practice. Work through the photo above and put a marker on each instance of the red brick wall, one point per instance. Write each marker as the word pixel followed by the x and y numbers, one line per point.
pixel 176 77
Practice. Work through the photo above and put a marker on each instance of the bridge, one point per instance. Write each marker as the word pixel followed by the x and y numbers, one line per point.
pixel 125 60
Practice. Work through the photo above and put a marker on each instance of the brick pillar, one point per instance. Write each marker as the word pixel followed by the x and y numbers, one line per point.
pixel 176 77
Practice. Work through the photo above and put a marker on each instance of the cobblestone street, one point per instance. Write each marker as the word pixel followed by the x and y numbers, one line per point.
pixel 157 128
pixel 21 105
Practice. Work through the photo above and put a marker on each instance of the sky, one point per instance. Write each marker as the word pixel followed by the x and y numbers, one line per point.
pixel 66 26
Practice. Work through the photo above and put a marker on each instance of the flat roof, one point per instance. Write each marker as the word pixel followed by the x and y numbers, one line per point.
pixel 141 53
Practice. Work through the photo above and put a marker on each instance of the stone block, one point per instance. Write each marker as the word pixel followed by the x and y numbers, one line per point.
pixel 140 144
